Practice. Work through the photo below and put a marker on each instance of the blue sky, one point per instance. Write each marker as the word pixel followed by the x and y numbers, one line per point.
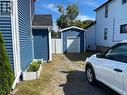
pixel 86 7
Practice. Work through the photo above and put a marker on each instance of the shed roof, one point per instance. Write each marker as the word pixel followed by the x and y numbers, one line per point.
pixel 103 5
pixel 44 20
pixel 72 27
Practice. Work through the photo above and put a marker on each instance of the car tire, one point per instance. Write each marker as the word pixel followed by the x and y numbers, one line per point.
pixel 90 75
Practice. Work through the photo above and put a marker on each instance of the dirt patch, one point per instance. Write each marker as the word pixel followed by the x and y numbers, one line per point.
pixel 63 76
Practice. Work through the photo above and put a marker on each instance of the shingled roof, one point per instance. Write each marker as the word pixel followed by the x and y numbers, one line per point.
pixel 42 20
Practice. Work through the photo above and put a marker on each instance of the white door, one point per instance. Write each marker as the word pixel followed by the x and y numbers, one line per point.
pixel 73 45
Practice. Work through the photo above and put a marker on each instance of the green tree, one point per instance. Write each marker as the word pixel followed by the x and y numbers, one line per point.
pixel 72 12
pixel 87 23
pixel 68 16
pixel 54 34
pixel 6 73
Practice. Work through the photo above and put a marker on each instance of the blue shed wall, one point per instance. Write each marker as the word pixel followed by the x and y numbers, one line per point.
pixel 41 44
pixel 25 32
pixel 71 33
pixel 5 28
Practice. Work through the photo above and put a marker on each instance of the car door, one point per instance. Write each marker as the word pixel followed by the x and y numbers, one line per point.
pixel 125 83
pixel 112 67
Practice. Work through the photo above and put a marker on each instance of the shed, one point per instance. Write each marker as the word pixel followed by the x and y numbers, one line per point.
pixel 73 39
pixel 42 25
pixel 91 37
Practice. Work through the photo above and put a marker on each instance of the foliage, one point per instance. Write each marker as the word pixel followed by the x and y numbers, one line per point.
pixel 34 66
pixel 72 12
pixel 6 73
pixel 54 34
pixel 69 18
pixel 62 21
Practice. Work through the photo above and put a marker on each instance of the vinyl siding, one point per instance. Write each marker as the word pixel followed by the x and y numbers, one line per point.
pixel 71 33
pixel 117 16
pixel 25 33
pixel 90 35
pixel 5 28
pixel 32 8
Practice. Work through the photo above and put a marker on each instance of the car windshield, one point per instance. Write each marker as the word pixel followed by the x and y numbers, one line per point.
pixel 118 53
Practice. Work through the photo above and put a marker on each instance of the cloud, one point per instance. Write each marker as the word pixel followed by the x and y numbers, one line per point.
pixel 92 3
pixel 84 17
pixel 51 7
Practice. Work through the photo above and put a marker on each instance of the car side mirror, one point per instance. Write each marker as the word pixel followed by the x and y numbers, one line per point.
pixel 99 55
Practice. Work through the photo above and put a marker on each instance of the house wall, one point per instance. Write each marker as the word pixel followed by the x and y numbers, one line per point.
pixel 25 33
pixel 32 8
pixel 71 33
pixel 5 28
pixel 90 38
pixel 117 16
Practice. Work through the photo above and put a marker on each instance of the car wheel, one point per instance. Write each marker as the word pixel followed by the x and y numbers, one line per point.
pixel 90 75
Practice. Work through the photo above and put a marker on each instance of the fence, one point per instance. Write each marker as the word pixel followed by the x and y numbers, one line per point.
pixel 57 46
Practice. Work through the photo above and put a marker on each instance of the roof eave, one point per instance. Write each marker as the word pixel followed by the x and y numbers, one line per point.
pixel 102 5
pixel 72 27
pixel 41 27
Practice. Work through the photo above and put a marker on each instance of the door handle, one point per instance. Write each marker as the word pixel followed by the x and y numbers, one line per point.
pixel 117 70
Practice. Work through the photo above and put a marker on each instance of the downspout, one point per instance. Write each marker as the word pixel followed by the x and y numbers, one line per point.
pixel 15 42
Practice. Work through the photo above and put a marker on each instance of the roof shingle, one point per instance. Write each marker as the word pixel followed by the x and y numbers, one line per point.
pixel 42 20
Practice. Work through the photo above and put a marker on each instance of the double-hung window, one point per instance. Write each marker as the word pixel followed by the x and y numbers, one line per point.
pixel 106 11
pixel 124 1
pixel 123 28
pixel 5 7
pixel 105 33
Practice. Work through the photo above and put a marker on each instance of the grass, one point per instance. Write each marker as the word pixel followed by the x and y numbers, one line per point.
pixel 36 86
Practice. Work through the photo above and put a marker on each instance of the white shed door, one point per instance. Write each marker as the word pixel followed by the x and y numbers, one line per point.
pixel 73 45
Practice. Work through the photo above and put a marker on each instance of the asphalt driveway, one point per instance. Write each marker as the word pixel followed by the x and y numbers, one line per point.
pixel 65 75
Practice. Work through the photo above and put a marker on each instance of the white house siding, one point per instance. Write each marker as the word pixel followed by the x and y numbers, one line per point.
pixel 90 35
pixel 117 16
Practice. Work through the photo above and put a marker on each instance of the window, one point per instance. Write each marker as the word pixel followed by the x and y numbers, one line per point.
pixel 124 1
pixel 118 53
pixel 123 28
pixel 106 11
pixel 105 33
pixel 5 7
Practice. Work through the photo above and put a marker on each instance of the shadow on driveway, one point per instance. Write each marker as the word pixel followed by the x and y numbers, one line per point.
pixel 78 56
pixel 77 85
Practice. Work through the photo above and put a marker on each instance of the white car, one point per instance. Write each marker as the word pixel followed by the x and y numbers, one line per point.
pixel 109 68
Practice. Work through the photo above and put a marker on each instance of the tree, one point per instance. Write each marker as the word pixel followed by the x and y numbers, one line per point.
pixel 72 12
pixel 6 73
pixel 67 17
pixel 87 23
pixel 62 21
pixel 54 34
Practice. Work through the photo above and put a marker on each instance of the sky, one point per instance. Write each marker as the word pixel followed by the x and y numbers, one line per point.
pixel 85 7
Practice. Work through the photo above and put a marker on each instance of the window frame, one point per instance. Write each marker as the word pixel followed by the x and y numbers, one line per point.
pixel 105 33
pixel 107 51
pixel 121 28
pixel 5 7
pixel 124 1
pixel 106 10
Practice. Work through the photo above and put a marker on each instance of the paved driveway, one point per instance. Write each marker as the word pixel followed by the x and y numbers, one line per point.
pixel 63 76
